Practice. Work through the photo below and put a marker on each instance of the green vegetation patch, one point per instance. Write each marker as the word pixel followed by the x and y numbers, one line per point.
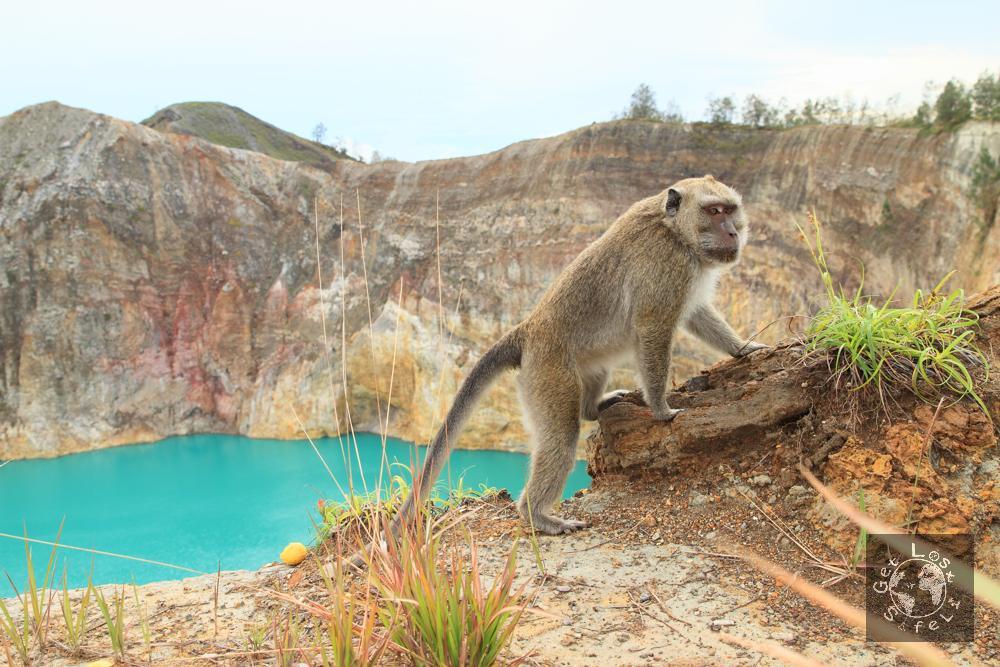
pixel 927 348
pixel 235 128
pixel 372 508
pixel 986 186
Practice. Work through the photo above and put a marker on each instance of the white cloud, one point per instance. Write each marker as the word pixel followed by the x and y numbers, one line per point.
pixel 873 77
pixel 354 148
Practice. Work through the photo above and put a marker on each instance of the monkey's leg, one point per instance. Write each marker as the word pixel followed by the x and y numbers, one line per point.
pixel 706 323
pixel 593 392
pixel 655 342
pixel 551 399
pixel 594 397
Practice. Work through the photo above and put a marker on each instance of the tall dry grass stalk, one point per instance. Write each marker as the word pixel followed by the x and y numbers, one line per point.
pixel 923 653
pixel 984 587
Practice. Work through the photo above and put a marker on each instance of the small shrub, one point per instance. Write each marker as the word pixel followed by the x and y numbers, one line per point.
pixel 986 98
pixel 351 642
pixel 642 106
pixel 986 186
pixel 953 106
pixel 140 609
pixel 927 348
pixel 365 509
pixel 30 631
pixel 287 641
pixel 369 509
pixel 445 618
pixel 75 619
pixel 114 618
pixel 256 637
pixel 16 634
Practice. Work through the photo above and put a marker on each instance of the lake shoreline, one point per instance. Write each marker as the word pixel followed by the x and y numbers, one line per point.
pixel 198 501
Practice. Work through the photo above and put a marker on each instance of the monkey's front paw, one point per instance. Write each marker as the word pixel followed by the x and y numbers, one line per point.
pixel 750 348
pixel 666 415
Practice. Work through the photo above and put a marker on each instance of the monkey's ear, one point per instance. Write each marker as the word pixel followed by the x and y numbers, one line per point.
pixel 673 202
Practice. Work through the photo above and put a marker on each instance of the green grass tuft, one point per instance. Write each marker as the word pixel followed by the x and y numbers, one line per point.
pixel 927 348
pixel 446 617
pixel 369 509
pixel 114 618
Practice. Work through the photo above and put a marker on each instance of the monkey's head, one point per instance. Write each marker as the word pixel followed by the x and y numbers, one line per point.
pixel 709 217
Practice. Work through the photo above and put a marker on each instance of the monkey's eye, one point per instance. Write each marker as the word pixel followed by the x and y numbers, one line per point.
pixel 714 210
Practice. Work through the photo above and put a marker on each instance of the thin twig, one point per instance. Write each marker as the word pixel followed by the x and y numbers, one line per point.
pixel 215 600
pixel 982 585
pixel 781 526
pixel 920 460
pixel 368 300
pixel 326 341
pixel 343 350
pixel 924 653
pixel 316 449
pixel 664 609
pixel 785 655
pixel 592 546
pixel 749 602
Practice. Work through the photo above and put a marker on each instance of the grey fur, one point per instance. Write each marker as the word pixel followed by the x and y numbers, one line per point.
pixel 623 296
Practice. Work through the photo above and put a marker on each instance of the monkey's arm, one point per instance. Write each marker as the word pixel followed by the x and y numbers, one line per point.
pixel 655 339
pixel 706 323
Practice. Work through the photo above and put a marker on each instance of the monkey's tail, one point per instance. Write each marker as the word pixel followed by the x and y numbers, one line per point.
pixel 504 355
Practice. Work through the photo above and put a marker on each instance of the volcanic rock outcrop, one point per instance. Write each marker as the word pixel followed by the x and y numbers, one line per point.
pixel 909 463
pixel 153 283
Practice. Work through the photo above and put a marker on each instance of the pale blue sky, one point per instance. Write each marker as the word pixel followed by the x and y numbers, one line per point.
pixel 421 80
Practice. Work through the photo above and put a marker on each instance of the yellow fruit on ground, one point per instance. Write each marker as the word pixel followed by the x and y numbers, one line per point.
pixel 294 553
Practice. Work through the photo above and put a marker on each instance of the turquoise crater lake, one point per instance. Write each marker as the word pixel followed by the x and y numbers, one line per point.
pixel 199 500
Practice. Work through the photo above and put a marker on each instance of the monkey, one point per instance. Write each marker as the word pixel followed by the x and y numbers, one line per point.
pixel 624 296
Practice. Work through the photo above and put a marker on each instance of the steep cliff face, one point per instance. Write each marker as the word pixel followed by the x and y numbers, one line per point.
pixel 155 284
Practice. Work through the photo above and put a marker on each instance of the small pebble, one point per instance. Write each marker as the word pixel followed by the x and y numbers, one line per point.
pixel 786 636
pixel 563 589
pixel 697 500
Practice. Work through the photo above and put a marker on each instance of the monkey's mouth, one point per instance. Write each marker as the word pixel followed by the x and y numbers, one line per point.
pixel 723 255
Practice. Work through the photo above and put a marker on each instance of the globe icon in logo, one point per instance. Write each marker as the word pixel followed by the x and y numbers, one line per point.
pixel 918 587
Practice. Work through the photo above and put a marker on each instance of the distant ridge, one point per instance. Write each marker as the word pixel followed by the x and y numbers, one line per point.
pixel 233 127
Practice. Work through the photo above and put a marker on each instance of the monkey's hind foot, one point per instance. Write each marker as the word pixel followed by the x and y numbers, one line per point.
pixel 553 525
pixel 667 415
pixel 610 398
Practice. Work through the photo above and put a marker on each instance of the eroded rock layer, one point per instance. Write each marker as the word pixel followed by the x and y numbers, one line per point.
pixel 156 284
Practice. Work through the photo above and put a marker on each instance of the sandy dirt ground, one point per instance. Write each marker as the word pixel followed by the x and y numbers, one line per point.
pixel 654 581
